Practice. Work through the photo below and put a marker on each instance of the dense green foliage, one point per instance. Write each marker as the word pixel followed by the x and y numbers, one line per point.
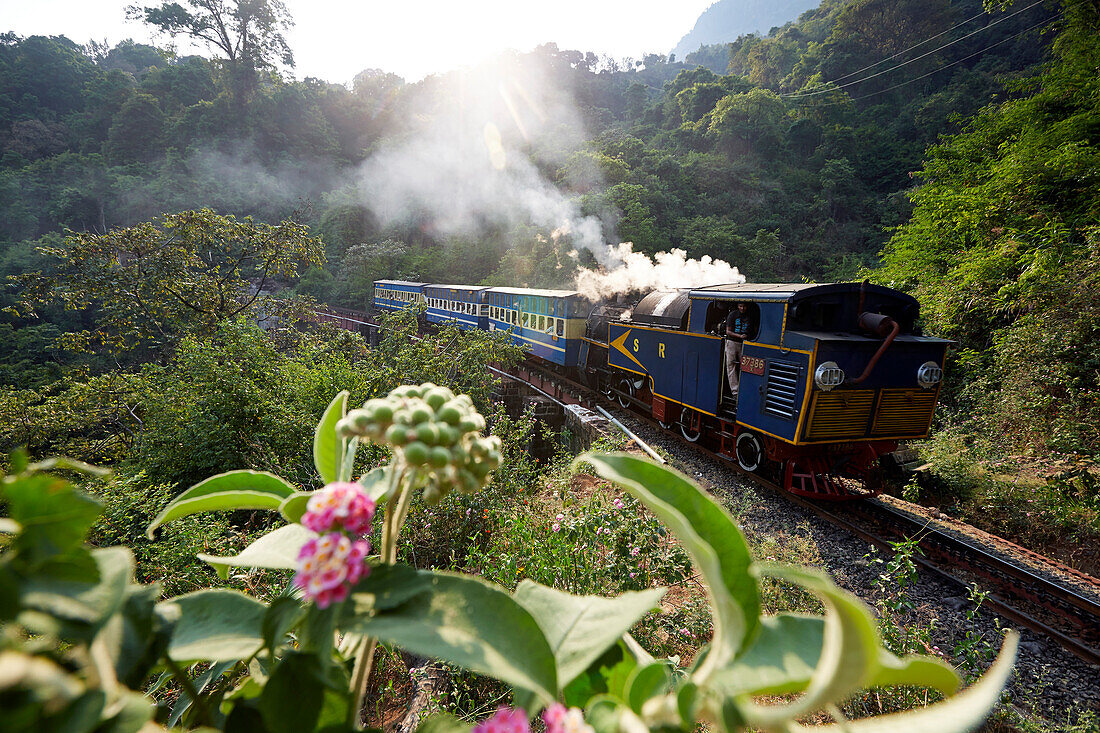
pixel 1002 252
pixel 302 662
pixel 129 332
pixel 757 165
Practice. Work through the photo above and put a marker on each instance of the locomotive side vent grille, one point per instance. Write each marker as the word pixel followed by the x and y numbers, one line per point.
pixel 904 412
pixel 840 414
pixel 782 389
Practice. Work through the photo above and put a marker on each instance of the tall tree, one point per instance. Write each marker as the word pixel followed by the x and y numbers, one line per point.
pixel 248 34
pixel 154 283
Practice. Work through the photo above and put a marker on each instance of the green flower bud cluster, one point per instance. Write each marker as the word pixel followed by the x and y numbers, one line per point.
pixel 438 433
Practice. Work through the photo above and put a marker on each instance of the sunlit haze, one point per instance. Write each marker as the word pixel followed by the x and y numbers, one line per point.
pixel 335 40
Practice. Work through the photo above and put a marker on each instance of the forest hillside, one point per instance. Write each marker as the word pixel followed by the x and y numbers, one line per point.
pixel 946 148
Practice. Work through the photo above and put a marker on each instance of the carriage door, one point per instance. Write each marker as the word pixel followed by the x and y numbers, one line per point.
pixel 690 385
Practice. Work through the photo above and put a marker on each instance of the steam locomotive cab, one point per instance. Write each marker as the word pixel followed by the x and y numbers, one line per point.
pixel 829 377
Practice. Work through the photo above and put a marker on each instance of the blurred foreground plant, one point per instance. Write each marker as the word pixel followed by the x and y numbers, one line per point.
pixel 301 662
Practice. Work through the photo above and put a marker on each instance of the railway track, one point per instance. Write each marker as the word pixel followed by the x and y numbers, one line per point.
pixel 1027 598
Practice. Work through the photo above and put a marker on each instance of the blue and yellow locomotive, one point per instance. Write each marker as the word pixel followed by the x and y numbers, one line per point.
pixel 830 377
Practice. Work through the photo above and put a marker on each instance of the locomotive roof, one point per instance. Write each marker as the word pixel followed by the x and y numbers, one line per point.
pixel 399 282
pixel 786 291
pixel 542 293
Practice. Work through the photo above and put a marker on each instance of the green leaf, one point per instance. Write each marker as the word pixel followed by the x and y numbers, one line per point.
pixel 708 533
pixel 377 483
pixel 686 697
pixel 930 671
pixel 184 702
pixel 328 447
pixel 607 715
pixel 129 714
pixel 851 652
pixel 233 490
pixel 82 714
pixel 646 682
pixel 276 550
pixel 294 506
pixel 9 593
pixel 292 698
pixel 386 587
pixel 83 608
pixel 581 628
pixel 135 637
pixel 39 676
pixel 780 660
pixel 618 676
pixel 473 624
pixel 594 680
pixel 61 463
pixel 281 616
pixel 442 723
pixel 53 516
pixel 957 714
pixel 216 625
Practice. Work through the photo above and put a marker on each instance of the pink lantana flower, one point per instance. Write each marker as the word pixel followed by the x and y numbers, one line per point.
pixel 329 565
pixel 505 720
pixel 560 719
pixel 340 505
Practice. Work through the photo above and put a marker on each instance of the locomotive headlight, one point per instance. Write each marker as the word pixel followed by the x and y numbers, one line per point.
pixel 828 375
pixel 929 374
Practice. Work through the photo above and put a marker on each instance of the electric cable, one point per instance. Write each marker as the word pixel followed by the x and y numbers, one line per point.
pixel 958 61
pixel 834 86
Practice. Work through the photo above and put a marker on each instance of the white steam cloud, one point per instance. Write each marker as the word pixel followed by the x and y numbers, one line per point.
pixel 478 153
pixel 629 271
pixel 467 162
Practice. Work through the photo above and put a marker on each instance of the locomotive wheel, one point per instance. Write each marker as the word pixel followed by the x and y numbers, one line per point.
pixel 691 436
pixel 606 389
pixel 626 387
pixel 750 454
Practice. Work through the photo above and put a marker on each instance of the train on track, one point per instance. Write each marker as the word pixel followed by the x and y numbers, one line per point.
pixel 830 377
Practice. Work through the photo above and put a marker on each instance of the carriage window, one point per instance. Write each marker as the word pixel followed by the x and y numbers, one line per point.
pixel 561 326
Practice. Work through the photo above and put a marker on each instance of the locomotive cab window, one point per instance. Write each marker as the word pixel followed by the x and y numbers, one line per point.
pixel 718 312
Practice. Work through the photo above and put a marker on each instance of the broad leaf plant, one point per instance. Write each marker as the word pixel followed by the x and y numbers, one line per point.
pixel 79 636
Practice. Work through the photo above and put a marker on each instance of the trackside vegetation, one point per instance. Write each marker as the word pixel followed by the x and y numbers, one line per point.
pixel 301 660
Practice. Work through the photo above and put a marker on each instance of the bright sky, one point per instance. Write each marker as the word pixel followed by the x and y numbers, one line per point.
pixel 335 39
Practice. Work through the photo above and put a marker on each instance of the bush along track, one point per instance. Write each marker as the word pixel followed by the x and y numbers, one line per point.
pixel 80 637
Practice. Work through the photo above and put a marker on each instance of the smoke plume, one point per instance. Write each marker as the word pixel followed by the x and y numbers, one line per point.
pixel 628 271
pixel 475 153
pixel 478 153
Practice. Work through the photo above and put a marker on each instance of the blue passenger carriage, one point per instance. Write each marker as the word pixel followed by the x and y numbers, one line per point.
pixel 550 322
pixel 463 305
pixel 391 296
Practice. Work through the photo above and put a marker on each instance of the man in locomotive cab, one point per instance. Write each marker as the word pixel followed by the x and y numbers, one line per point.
pixel 739 327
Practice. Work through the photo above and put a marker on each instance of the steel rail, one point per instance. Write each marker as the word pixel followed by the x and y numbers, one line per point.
pixel 949 550
pixel 1011 579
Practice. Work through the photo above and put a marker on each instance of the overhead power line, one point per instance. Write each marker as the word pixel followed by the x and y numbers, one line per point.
pixel 1014 36
pixel 833 86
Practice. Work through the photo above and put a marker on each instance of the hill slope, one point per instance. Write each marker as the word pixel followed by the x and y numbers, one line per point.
pixel 725 20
